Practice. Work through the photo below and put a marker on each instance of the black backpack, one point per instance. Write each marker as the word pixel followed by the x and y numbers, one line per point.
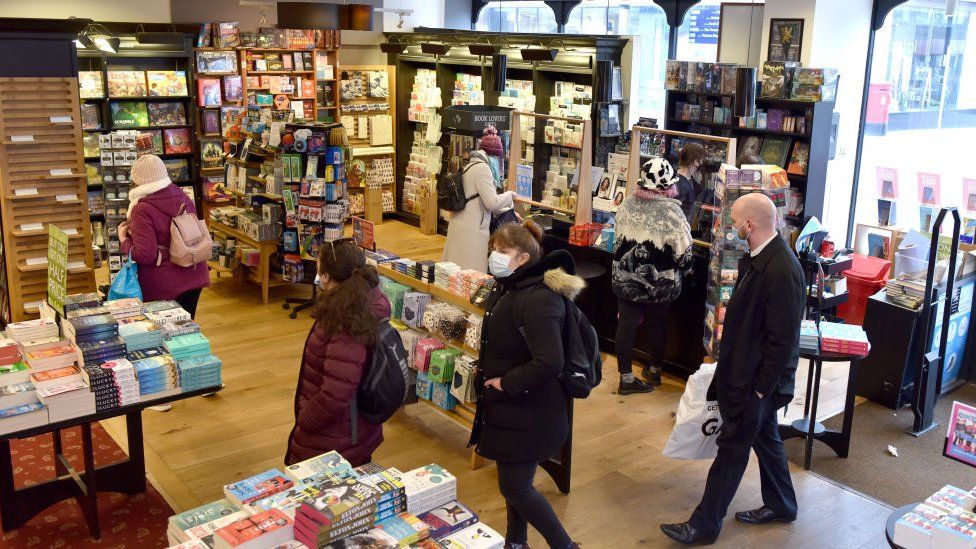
pixel 450 191
pixel 583 365
pixel 383 388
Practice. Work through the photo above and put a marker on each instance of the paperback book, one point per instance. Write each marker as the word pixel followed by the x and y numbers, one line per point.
pixel 256 487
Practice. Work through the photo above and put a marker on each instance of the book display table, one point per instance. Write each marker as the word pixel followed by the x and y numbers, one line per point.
pixel 18 506
pixel 839 441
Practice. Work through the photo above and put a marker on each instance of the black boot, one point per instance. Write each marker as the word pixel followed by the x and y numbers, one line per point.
pixel 632 387
pixel 652 374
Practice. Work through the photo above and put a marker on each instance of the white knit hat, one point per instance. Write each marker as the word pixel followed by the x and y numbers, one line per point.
pixel 149 169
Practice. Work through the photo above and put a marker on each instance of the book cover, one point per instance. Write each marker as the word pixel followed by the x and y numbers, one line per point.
pixel 233 90
pixel 258 486
pixel 340 499
pixel 800 159
pixel 405 527
pixel 166 83
pixel 329 462
pixel 211 153
pixel 269 527
pixel 129 114
pixel 205 532
pixel 929 187
pixel 205 35
pixel 56 375
pixel 90 85
pixel 215 62
pixel 448 518
pixel 91 118
pixel 773 79
pixel 208 92
pixel 177 168
pixel 476 536
pixel 211 121
pixel 126 83
pixel 775 150
pixel 228 34
pixel 672 79
pixel 177 141
pixel 20 410
pixel 167 113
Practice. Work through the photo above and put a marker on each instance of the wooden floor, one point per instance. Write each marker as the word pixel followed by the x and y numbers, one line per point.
pixel 622 486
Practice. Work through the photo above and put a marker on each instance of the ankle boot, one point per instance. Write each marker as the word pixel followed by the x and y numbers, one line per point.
pixel 652 374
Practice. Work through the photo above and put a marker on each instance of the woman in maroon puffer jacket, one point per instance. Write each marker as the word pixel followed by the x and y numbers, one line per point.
pixel 153 203
pixel 347 316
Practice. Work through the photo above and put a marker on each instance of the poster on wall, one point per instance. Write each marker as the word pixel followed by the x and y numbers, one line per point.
pixel 961 434
pixel 929 188
pixel 785 39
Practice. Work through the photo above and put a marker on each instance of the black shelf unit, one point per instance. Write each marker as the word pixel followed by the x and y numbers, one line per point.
pixel 175 56
pixel 576 61
pixel 818 134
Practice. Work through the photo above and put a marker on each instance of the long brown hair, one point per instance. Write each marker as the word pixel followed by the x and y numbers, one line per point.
pixel 525 237
pixel 347 308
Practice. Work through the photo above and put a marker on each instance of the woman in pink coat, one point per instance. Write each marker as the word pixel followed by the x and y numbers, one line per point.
pixel 153 203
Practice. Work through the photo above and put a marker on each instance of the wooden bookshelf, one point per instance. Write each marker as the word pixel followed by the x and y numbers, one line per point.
pixel 40 120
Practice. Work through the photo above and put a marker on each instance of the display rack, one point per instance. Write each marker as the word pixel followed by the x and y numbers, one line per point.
pixel 575 61
pixel 43 178
pixel 182 165
pixel 580 208
pixel 366 91
pixel 216 129
pixel 817 137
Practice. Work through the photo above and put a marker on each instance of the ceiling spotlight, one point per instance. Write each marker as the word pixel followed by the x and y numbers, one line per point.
pixel 483 49
pixel 436 49
pixel 391 47
pixel 107 44
pixel 548 55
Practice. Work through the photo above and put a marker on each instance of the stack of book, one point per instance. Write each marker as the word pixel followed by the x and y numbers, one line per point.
pixel 52 356
pixel 809 335
pixel 174 329
pixel 843 338
pixel 907 291
pixel 12 374
pixel 67 400
pixel 447 519
pixel 199 372
pixel 78 302
pixel 157 373
pixel 344 508
pixel 187 346
pixel 179 524
pixel 165 316
pixel 124 376
pixel 32 330
pixel 442 273
pixel 257 487
pixel 404 528
pixel 405 266
pixel 52 368
pixel 944 520
pixel 140 333
pixel 159 306
pixel 428 487
pixel 25 416
pixel 125 308
pixel 102 384
pixel 9 352
pixel 91 328
pixel 392 498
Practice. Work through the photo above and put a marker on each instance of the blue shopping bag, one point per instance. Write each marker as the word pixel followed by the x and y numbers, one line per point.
pixel 126 282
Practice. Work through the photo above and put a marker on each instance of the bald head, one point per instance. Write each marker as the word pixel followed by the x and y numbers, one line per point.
pixel 754 215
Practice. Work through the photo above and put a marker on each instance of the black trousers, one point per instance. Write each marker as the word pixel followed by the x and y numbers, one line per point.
pixel 188 300
pixel 756 428
pixel 630 316
pixel 527 506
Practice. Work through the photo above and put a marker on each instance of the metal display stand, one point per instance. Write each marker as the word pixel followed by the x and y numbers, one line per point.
pixel 928 377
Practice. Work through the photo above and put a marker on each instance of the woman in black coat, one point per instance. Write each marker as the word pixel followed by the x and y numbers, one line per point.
pixel 521 418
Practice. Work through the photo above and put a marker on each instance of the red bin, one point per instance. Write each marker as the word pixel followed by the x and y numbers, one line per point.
pixel 866 277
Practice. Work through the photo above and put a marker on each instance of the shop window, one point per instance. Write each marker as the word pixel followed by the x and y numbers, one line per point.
pixel 698 33
pixel 921 121
pixel 530 17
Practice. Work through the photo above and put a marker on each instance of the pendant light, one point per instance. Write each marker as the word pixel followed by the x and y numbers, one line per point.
pixel 499 71
pixel 745 81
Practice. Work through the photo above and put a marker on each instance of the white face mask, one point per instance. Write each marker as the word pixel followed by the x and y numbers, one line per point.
pixel 318 280
pixel 498 264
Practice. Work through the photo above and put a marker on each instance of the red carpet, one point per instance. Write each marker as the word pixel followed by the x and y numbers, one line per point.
pixel 127 521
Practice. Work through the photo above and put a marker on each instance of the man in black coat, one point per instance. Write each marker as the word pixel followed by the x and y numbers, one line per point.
pixel 754 378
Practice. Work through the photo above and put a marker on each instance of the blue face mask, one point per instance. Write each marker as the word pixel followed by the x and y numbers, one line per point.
pixel 498 264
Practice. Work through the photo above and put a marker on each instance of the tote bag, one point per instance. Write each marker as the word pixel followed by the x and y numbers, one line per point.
pixel 126 282
pixel 698 422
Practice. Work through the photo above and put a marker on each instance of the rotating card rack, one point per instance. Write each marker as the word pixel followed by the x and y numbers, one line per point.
pixel 42 182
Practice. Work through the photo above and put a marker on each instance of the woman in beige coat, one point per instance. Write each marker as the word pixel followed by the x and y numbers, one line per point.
pixel 468 230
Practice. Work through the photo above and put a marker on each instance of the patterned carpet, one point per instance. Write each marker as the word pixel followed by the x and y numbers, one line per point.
pixel 127 521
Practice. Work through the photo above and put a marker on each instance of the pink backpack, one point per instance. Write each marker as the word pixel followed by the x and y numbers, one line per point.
pixel 190 241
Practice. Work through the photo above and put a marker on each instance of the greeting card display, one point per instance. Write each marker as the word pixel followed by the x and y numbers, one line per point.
pixel 167 114
pixel 177 141
pixel 167 83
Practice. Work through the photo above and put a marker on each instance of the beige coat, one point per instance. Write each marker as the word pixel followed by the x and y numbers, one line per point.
pixel 467 232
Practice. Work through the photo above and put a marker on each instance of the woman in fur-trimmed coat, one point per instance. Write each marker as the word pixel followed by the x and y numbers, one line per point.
pixel 652 256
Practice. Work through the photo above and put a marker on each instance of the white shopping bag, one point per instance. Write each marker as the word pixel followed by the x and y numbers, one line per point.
pixel 698 421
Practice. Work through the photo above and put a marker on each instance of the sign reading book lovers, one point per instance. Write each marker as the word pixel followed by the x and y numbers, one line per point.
pixel 57 268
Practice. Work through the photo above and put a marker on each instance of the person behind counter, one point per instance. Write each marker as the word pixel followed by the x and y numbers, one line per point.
pixel 689 185
pixel 469 229
pixel 521 417
pixel 652 256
